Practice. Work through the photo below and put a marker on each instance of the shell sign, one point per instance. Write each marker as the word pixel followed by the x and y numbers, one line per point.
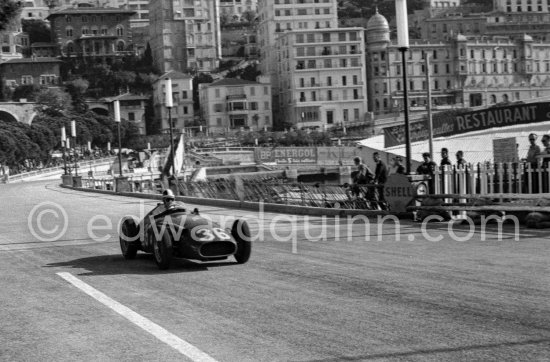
pixel 398 192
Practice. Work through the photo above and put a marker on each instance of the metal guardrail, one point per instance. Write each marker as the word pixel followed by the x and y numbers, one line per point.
pixel 81 164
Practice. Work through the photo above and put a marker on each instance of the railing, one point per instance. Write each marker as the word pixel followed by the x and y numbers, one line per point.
pixel 81 164
pixel 487 178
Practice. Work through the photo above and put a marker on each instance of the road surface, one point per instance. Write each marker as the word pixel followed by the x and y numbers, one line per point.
pixel 318 296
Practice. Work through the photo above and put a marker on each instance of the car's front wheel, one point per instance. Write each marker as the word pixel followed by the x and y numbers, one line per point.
pixel 241 233
pixel 128 234
pixel 162 251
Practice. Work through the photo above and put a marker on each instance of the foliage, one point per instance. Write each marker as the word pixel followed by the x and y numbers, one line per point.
pixel 27 91
pixel 38 30
pixel 291 138
pixel 53 102
pixel 9 9
pixel 198 79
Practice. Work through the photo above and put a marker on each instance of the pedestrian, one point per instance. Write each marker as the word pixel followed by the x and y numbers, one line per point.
pixel 398 165
pixel 460 161
pixel 428 166
pixel 381 171
pixel 546 145
pixel 534 150
pixel 363 175
pixel 445 157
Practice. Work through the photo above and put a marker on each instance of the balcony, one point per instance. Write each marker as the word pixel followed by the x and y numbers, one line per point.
pixel 236 96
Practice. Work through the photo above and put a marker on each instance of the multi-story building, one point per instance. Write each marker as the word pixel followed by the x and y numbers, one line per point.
pixel 443 3
pixel 36 9
pixel 185 35
pixel 236 104
pixel 91 32
pixel 522 6
pixel 132 109
pixel 322 76
pixel 279 16
pixel 27 71
pixel 464 71
pixel 12 44
pixel 235 8
pixel 182 95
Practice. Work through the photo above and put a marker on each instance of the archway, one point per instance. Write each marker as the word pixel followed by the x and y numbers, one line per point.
pixel 100 111
pixel 8 117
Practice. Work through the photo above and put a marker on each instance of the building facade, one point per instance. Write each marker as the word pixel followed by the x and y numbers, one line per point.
pixel 522 6
pixel 132 109
pixel 28 71
pixel 236 104
pixel 236 8
pixel 92 32
pixel 182 94
pixel 464 71
pixel 322 77
pixel 185 35
pixel 35 9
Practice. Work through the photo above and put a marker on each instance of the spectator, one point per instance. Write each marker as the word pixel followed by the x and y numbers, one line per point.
pixel 546 143
pixel 534 150
pixel 381 171
pixel 398 164
pixel 445 157
pixel 428 166
pixel 460 161
pixel 363 175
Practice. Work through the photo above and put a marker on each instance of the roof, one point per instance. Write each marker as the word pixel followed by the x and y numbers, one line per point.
pixel 230 82
pixel 477 146
pixel 174 74
pixel 378 22
pixel 90 10
pixel 33 60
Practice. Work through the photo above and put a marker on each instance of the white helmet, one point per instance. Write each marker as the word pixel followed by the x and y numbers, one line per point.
pixel 168 195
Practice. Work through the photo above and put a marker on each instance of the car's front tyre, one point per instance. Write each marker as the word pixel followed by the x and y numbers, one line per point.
pixel 163 251
pixel 241 233
pixel 128 233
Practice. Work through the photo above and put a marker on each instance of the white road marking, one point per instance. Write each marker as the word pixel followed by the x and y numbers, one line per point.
pixel 185 348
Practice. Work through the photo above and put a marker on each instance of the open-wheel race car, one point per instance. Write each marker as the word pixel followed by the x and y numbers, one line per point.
pixel 173 232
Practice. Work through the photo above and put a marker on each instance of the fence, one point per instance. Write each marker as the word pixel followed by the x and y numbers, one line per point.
pixel 501 178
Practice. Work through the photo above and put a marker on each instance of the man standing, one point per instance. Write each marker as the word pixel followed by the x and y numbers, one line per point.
pixel 363 175
pixel 460 161
pixel 534 150
pixel 428 166
pixel 398 164
pixel 381 171
pixel 445 157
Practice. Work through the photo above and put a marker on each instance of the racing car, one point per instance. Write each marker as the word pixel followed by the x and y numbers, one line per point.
pixel 178 233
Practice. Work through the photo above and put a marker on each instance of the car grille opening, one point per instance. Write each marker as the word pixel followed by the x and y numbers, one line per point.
pixel 217 248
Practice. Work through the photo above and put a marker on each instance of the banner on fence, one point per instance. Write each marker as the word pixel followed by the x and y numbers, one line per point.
pixel 470 121
pixel 287 155
pixel 505 150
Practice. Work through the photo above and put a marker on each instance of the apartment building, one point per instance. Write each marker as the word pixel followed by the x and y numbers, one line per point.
pixel 465 71
pixel 92 32
pixel 322 77
pixel 182 95
pixel 235 8
pixel 35 9
pixel 521 6
pixel 185 35
pixel 236 104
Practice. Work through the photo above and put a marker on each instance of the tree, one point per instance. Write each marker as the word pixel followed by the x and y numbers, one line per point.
pixel 38 30
pixel 198 79
pixel 26 91
pixel 249 16
pixel 53 102
pixel 9 10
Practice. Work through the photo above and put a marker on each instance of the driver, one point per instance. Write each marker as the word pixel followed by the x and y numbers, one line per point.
pixel 168 199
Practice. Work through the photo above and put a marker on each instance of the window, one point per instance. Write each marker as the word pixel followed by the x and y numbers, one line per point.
pixel 355 94
pixel 119 31
pixel 344 80
pixel 252 91
pixel 254 106
pixel 26 79
pixel 131 116
pixel 185 110
pixel 69 31
pixel 266 91
pixel 217 93
pixel 84 19
pixel 183 94
pixel 329 95
pixel 356 114
pixel 329 81
pixel 266 105
pixel 302 83
pixel 218 107
pixel 342 36
pixel 436 68
pixel 346 115
pixel 355 80
pixel 218 121
pixel 353 36
pixel 327 63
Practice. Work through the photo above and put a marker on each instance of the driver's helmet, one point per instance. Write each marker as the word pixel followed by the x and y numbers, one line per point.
pixel 168 195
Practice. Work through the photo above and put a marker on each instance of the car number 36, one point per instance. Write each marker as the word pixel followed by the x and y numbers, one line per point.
pixel 212 234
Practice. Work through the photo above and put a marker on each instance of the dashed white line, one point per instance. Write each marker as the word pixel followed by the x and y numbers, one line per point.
pixel 185 348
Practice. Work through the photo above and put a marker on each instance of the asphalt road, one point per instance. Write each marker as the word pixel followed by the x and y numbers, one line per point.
pixel 320 297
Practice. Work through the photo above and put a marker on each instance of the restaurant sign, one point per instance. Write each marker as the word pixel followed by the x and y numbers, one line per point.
pixel 459 123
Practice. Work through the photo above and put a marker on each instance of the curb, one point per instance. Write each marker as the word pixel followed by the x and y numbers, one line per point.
pixel 253 206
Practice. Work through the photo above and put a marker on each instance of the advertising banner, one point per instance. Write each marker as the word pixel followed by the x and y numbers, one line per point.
pixel 287 155
pixel 465 122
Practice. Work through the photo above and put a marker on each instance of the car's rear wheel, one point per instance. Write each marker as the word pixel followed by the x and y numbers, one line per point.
pixel 162 251
pixel 128 235
pixel 241 233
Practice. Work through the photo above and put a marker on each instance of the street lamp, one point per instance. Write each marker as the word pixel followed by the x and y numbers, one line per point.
pixel 117 120
pixel 169 102
pixel 403 44
pixel 63 144
pixel 73 134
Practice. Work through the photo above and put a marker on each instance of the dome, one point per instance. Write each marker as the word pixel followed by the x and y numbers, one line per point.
pixel 377 22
